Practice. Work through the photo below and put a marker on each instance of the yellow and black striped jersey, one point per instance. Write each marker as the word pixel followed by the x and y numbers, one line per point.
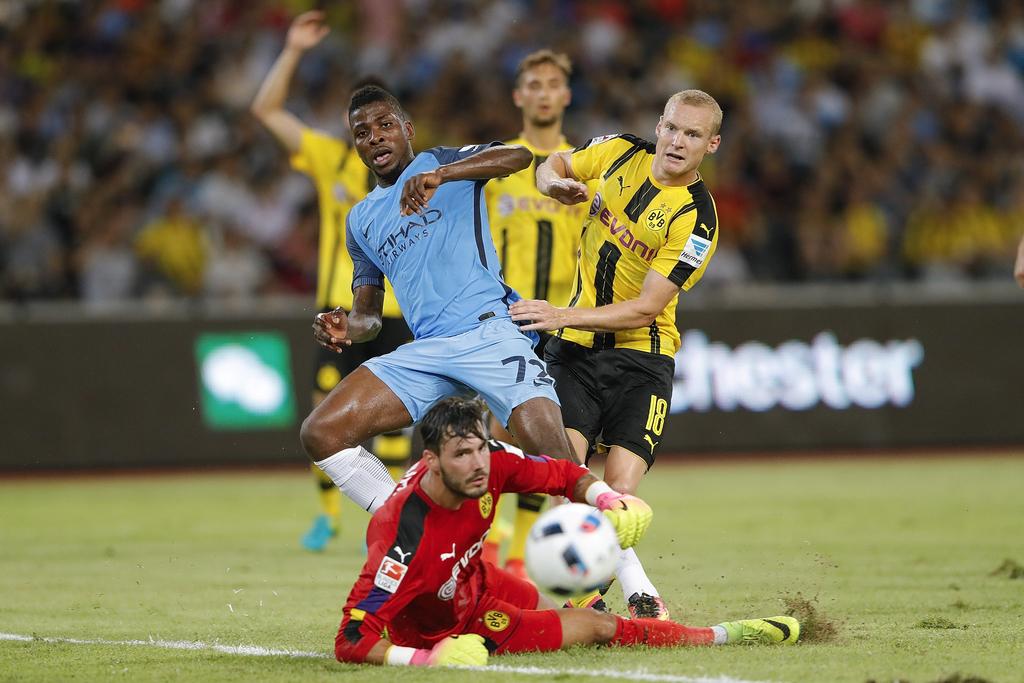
pixel 537 237
pixel 341 181
pixel 634 225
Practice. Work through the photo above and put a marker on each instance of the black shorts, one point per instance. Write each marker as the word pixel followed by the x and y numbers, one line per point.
pixel 331 367
pixel 545 337
pixel 619 395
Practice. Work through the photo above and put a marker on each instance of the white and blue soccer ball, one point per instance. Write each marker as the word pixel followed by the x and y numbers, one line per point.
pixel 571 550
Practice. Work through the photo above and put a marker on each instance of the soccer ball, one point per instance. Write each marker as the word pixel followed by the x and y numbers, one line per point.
pixel 571 550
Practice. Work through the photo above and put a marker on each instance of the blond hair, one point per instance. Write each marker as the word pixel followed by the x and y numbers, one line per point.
pixel 699 98
pixel 544 56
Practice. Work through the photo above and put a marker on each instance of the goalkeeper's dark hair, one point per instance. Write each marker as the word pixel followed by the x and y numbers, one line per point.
pixel 451 418
pixel 371 93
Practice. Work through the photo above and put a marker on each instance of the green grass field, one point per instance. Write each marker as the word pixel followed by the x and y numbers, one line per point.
pixel 897 556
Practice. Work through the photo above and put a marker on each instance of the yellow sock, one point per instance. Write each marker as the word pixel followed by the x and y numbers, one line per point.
pixel 584 601
pixel 500 529
pixel 527 512
pixel 330 496
pixel 393 450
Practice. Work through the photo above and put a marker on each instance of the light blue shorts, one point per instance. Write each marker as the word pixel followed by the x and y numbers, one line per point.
pixel 494 360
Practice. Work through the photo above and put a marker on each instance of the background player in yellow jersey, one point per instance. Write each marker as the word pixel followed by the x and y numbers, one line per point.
pixel 536 237
pixel 650 232
pixel 341 180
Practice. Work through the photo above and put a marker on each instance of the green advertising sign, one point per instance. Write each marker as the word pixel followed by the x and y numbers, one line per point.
pixel 245 380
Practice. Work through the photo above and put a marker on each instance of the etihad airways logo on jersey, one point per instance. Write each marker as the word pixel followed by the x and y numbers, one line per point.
pixel 447 589
pixel 407 235
pixel 621 231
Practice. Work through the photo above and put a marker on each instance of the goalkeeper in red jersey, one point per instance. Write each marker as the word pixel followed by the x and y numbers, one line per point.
pixel 425 597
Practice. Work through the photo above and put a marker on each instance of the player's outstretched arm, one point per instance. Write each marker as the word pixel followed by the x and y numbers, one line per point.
pixel 657 292
pixel 306 31
pixel 491 162
pixel 337 329
pixel 629 515
pixel 556 179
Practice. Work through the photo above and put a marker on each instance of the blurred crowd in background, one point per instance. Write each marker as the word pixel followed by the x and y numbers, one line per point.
pixel 863 140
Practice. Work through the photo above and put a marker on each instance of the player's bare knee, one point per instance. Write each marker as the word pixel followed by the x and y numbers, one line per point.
pixel 537 426
pixel 310 436
pixel 324 433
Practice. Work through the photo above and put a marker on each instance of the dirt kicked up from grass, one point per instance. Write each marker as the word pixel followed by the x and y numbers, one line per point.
pixel 815 627
pixel 1011 569
pixel 940 623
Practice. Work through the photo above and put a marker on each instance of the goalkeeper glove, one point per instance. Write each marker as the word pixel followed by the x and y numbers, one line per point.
pixel 628 514
pixel 464 650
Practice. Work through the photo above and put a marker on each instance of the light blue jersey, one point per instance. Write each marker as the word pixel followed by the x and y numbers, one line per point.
pixel 442 263
pixel 446 276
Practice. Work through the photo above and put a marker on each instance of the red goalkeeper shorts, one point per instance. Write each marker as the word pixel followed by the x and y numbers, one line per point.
pixel 506 619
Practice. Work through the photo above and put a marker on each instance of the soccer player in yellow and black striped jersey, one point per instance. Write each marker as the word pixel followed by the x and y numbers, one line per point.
pixel 341 180
pixel 650 232
pixel 536 238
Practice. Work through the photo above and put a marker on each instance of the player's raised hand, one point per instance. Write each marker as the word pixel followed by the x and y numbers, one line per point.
pixel 417 191
pixel 464 650
pixel 330 330
pixel 628 514
pixel 307 30
pixel 567 191
pixel 536 314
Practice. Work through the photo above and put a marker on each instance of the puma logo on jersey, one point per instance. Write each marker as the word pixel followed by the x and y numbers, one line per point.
pixel 401 555
pixel 448 556
pixel 648 439
pixel 706 229
pixel 622 188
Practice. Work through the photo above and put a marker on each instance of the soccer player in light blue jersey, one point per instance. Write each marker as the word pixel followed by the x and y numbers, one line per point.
pixel 425 228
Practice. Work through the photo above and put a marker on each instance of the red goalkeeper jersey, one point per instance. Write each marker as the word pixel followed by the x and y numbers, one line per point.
pixel 423 574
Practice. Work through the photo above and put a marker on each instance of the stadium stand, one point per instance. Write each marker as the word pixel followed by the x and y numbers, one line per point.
pixel 130 167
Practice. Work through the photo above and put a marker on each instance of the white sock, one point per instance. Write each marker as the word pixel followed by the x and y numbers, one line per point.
pixel 632 576
pixel 721 636
pixel 360 475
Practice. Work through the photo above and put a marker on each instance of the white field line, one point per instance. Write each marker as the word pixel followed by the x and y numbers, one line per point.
pixel 247 650
pixel 257 651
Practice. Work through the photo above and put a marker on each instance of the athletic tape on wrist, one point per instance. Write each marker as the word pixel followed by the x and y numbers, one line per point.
pixel 597 489
pixel 397 655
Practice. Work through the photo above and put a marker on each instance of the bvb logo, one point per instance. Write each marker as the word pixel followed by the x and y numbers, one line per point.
pixel 656 220
pixel 486 503
pixel 496 621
